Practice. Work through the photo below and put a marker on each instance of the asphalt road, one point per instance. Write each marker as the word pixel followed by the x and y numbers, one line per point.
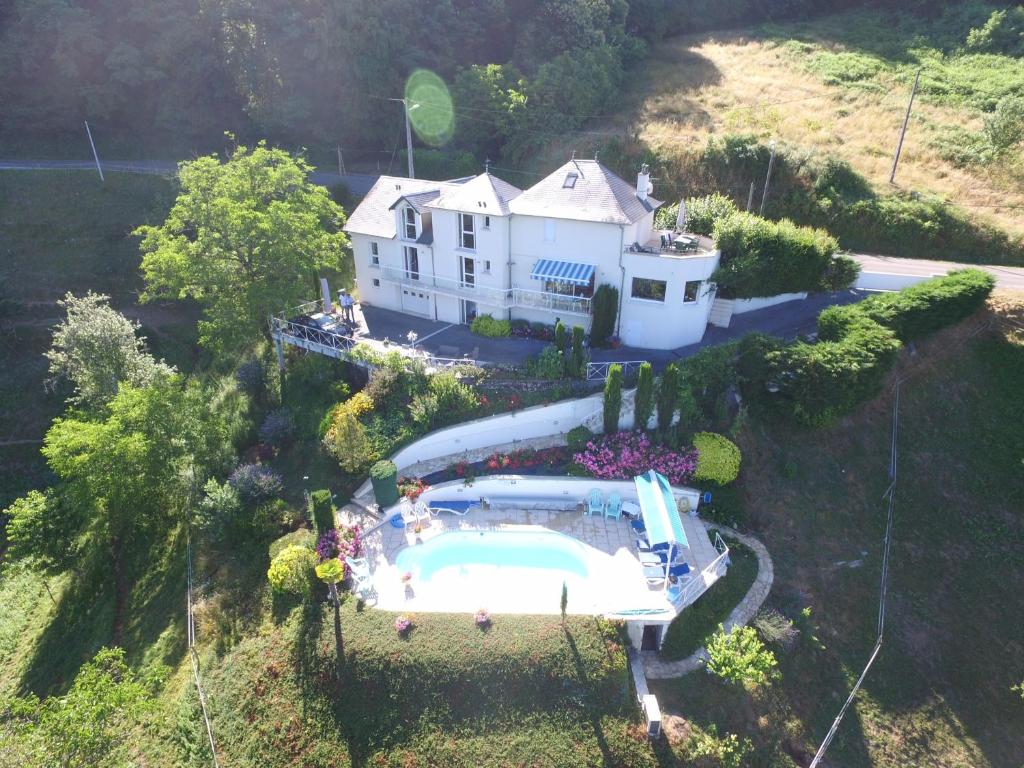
pixel 1008 278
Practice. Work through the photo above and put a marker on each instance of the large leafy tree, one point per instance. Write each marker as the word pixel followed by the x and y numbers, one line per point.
pixel 245 238
pixel 127 476
pixel 82 727
pixel 97 349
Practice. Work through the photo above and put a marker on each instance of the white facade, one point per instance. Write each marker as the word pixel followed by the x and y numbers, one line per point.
pixel 452 250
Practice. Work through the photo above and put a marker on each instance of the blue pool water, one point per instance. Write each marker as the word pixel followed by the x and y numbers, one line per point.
pixel 465 553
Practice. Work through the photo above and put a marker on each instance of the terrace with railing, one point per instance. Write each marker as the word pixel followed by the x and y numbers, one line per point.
pixel 699 583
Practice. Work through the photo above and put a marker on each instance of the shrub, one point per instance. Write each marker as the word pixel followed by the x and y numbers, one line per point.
pixel 776 628
pixel 291 572
pixel 255 483
pixel 668 396
pixel 766 258
pixel 219 510
pixel 729 751
pixel 577 438
pixel 916 311
pixel 740 657
pixel 278 428
pixel 549 364
pixel 303 537
pixel 643 402
pixel 323 510
pixel 560 336
pixel 718 459
pixel 702 213
pixel 485 325
pixel 579 360
pixel 604 308
pixel 1004 128
pixel 347 441
pixel 383 470
pixel 455 400
pixel 612 399
pixel 624 455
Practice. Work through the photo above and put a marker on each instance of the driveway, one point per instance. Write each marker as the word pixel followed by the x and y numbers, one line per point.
pixel 1007 278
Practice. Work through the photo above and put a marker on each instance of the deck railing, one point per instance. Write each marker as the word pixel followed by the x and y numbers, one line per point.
pixel 699 584
pixel 599 371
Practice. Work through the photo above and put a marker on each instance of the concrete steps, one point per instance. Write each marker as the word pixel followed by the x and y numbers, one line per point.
pixel 721 312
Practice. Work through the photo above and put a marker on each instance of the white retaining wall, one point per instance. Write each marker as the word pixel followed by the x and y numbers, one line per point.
pixel 749 305
pixel 888 281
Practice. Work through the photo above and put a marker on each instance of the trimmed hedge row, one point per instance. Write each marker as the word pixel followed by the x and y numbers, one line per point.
pixel 857 346
pixel 916 311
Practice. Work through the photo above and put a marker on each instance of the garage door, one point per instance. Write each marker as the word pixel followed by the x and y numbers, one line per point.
pixel 417 302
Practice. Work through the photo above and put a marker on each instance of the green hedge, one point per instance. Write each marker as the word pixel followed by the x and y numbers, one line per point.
pixel 605 306
pixel 766 258
pixel 485 325
pixel 323 511
pixel 718 459
pixel 612 399
pixel 643 404
pixel 917 311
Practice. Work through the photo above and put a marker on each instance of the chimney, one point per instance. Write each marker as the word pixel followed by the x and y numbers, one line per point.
pixel 643 182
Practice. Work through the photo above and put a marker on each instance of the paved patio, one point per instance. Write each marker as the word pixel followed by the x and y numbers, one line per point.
pixel 610 537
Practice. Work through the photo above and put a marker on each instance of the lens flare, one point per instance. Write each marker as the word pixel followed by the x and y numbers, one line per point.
pixel 430 107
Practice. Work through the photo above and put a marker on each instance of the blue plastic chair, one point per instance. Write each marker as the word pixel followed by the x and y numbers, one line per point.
pixel 614 507
pixel 596 504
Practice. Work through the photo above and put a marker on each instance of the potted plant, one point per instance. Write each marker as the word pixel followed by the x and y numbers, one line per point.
pixel 384 478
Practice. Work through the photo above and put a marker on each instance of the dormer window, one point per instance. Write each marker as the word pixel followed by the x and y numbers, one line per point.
pixel 410 223
pixel 467 231
pixel 570 180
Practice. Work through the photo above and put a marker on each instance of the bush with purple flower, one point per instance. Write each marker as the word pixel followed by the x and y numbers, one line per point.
pixel 482 618
pixel 623 455
pixel 402 625
pixel 255 483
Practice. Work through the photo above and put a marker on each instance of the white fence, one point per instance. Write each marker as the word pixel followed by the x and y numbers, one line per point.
pixel 888 281
pixel 700 584
pixel 599 371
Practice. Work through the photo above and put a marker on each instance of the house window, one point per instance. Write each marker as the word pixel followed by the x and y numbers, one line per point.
pixel 487 265
pixel 410 223
pixel 487 222
pixel 564 288
pixel 412 263
pixel 376 283
pixel 374 255
pixel 570 180
pixel 691 291
pixel 374 250
pixel 467 234
pixel 549 230
pixel 651 290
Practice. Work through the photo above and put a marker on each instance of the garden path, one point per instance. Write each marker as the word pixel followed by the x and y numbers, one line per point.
pixel 659 669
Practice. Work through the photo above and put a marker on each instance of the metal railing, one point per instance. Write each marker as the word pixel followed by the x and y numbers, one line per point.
pixel 699 584
pixel 309 336
pixel 497 297
pixel 599 371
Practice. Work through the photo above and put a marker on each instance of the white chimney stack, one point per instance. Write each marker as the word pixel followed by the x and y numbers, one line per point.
pixel 643 182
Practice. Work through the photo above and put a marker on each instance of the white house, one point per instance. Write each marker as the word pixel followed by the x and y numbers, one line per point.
pixel 450 250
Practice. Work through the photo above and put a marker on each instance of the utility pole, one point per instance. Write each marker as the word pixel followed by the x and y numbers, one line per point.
pixel 408 134
pixel 95 156
pixel 903 131
pixel 767 179
pixel 750 198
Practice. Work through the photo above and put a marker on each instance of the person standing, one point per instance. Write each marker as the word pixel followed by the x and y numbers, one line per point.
pixel 347 307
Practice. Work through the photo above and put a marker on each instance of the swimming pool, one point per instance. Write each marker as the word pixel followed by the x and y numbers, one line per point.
pixel 520 571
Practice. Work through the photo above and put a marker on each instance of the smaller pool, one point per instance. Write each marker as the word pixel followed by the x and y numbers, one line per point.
pixel 504 570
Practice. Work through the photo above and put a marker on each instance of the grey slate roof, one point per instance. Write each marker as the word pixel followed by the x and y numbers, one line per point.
pixel 597 195
pixel 482 194
pixel 374 215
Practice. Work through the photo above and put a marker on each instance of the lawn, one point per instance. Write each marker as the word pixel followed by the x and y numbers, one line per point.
pixel 939 693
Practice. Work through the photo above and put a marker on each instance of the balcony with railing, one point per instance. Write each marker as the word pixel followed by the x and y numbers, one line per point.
pixel 505 298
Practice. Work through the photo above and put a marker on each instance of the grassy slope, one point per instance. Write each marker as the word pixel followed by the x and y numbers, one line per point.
pixel 786 82
pixel 940 691
pixel 68 232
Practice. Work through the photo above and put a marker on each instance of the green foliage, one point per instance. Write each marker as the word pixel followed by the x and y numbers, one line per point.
pixel 37 530
pixel 560 336
pixel 383 470
pixel 704 378
pixel 775 628
pixel 243 239
pixel 668 395
pixel 97 350
pixel 702 213
pixel 219 512
pixel 765 258
pixel 303 537
pixel 605 308
pixel 485 325
pixel 706 747
pixel 578 362
pixel 1002 32
pixel 916 311
pixel 291 571
pixel 322 508
pixel 577 438
pixel 718 459
pixel 643 405
pixel 548 364
pixel 1004 128
pixel 80 729
pixel 612 399
pixel 330 571
pixel 740 657
pixel 347 441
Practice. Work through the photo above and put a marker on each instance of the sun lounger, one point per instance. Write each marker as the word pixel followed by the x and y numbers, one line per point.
pixel 459 508
pixel 643 546
pixel 654 558
pixel 614 506
pixel 595 506
pixel 656 573
pixel 638 526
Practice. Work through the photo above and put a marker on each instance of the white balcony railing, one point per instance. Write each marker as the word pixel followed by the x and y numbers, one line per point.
pixel 495 297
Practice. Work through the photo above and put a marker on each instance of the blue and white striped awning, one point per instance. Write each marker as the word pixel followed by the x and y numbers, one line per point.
pixel 566 271
pixel 659 510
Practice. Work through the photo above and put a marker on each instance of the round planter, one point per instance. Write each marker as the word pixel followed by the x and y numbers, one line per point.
pixel 384 478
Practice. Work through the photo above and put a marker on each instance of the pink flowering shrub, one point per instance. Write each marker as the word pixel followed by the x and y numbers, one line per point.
pixel 624 455
pixel 403 624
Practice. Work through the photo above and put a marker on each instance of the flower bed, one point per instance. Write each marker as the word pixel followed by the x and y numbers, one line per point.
pixel 624 455
pixel 346 542
pixel 527 461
